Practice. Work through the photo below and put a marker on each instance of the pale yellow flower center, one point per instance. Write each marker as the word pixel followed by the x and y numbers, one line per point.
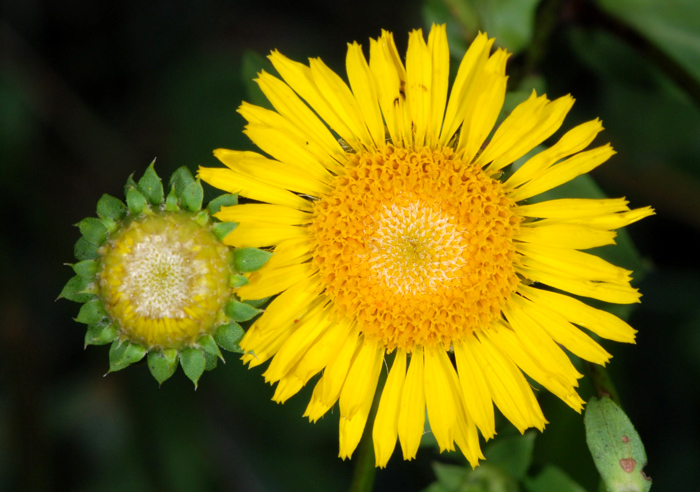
pixel 416 245
pixel 164 280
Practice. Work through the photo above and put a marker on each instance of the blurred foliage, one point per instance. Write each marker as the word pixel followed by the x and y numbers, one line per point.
pixel 92 91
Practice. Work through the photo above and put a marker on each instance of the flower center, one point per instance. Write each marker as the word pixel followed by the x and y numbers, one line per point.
pixel 416 245
pixel 164 280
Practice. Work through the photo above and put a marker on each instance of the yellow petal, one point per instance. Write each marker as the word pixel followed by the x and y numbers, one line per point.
pixel 600 322
pixel 286 388
pixel 340 98
pixel 288 104
pixel 440 398
pixel 323 350
pixel 271 282
pixel 385 430
pixel 440 70
pixel 510 391
pixel 351 429
pixel 571 208
pixel 418 85
pixel 271 172
pixel 365 91
pixel 260 235
pixel 470 70
pixel 310 327
pixel 361 383
pixel 389 77
pixel 605 291
pixel 525 129
pixel 299 78
pixel 484 105
pixel 565 334
pixel 563 172
pixel 263 214
pixel 412 408
pixel 575 140
pixel 564 235
pixel 477 395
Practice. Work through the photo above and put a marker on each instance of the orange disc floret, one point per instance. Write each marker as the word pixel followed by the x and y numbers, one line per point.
pixel 417 245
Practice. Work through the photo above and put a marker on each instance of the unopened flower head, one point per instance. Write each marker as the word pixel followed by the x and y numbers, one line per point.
pixel 396 231
pixel 156 279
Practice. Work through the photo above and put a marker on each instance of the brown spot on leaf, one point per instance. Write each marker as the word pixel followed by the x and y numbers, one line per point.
pixel 628 464
pixel 625 439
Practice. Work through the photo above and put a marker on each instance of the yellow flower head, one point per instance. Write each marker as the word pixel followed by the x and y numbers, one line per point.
pixel 393 232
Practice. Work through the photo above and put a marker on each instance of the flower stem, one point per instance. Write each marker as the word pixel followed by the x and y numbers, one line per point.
pixel 602 383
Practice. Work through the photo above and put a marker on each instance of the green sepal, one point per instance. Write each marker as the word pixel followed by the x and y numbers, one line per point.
pixel 193 363
pixel 239 311
pixel 202 218
pixel 222 229
pixel 228 336
pixel 615 445
pixel 109 207
pixel 101 333
pixel 193 196
pixel 187 189
pixel 75 288
pixel 162 364
pixel 208 344
pixel 86 268
pixel 122 354
pixel 91 312
pixel 180 180
pixel 250 259
pixel 171 203
pixel 151 186
pixel 135 201
pixel 222 201
pixel 93 230
pixel 110 225
pixel 211 361
pixel 237 281
pixel 256 303
pixel 85 250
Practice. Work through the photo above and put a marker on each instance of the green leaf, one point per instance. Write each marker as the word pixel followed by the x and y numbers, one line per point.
pixel 86 268
pixel 672 26
pixel 512 454
pixel 239 311
pixel 162 364
pixel 151 186
pixel 450 477
pixel 251 64
pixel 73 290
pixel 193 196
pixel 91 312
pixel 193 363
pixel 123 354
pixel 85 250
pixel 135 201
pixel 93 230
pixel 460 18
pixel 222 201
pixel 222 229
pixel 250 259
pixel 109 207
pixel 228 336
pixel 237 281
pixel 551 479
pixel 511 22
pixel 101 333
pixel 616 448
pixel 208 344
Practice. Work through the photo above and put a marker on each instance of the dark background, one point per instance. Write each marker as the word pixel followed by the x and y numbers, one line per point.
pixel 91 92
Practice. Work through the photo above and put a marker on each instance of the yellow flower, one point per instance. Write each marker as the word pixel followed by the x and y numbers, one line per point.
pixel 401 237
